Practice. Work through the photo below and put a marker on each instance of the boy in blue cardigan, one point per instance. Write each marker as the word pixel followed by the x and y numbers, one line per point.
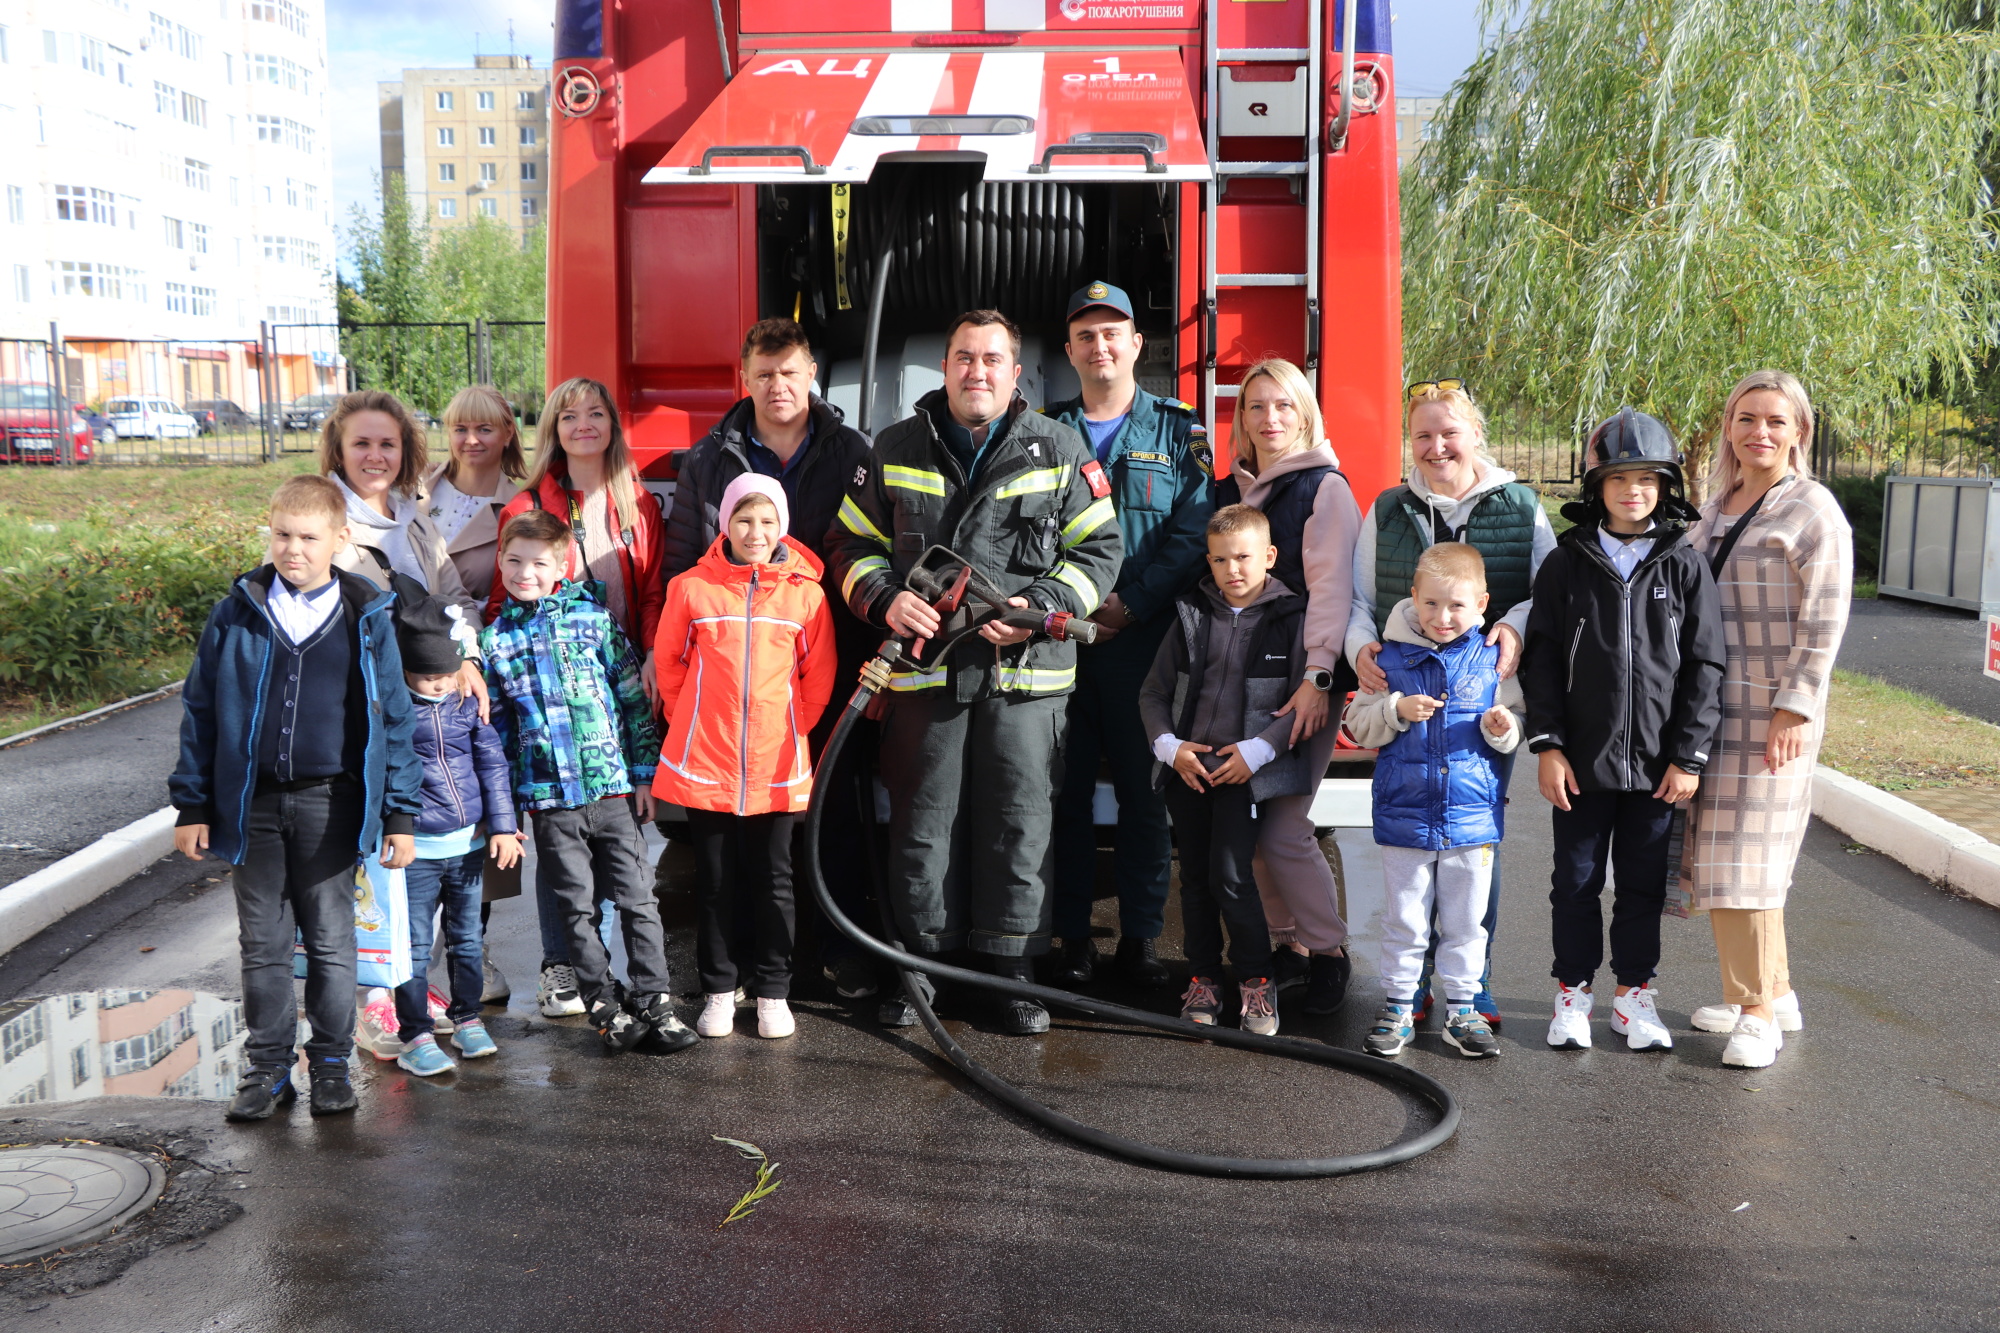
pixel 295 763
pixel 1439 794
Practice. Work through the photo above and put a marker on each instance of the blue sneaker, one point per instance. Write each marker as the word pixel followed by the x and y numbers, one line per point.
pixel 1487 1007
pixel 1393 1031
pixel 424 1057
pixel 473 1041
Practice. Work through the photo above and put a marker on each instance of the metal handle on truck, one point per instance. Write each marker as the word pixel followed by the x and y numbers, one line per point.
pixel 1106 145
pixel 757 150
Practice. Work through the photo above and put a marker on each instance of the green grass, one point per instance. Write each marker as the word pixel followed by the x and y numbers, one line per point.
pixel 1897 739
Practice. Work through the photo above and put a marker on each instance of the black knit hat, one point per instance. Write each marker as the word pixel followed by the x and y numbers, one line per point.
pixel 429 632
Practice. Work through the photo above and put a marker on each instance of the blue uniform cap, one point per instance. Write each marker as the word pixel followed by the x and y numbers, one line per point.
pixel 1100 293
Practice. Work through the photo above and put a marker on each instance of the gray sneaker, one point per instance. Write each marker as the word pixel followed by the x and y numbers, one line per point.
pixel 1466 1028
pixel 557 993
pixel 493 987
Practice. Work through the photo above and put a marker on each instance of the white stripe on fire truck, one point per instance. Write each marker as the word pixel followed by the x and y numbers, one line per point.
pixel 907 86
pixel 1016 15
pixel 1009 84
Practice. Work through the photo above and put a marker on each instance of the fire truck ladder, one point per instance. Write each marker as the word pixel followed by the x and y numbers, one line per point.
pixel 1306 174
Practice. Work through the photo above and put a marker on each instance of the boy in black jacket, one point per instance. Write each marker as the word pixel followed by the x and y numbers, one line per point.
pixel 1621 670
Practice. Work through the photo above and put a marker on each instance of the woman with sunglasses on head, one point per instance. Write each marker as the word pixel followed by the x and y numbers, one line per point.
pixel 1455 493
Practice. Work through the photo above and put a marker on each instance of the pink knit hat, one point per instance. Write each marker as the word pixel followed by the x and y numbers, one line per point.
pixel 755 483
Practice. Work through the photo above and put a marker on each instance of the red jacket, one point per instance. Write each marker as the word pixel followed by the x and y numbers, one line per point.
pixel 641 542
pixel 745 662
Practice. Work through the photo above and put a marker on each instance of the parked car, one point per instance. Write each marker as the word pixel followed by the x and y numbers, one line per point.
pixel 38 425
pixel 214 414
pixel 149 419
pixel 101 429
pixel 306 413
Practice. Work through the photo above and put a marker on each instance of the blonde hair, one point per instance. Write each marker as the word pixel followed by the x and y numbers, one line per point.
pixel 1455 401
pixel 309 497
pixel 619 473
pixel 482 404
pixel 1232 519
pixel 1722 476
pixel 332 454
pixel 1451 562
pixel 1294 384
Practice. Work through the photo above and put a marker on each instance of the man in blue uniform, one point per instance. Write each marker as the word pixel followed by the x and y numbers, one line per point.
pixel 1155 453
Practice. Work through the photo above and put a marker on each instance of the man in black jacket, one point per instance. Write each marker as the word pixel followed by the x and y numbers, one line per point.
pixel 786 432
pixel 1622 669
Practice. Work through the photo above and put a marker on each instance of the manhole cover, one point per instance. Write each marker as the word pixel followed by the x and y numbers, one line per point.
pixel 56 1196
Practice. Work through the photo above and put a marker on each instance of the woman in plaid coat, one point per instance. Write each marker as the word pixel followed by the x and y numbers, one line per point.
pixel 1785 581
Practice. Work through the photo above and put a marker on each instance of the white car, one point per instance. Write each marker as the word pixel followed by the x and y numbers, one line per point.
pixel 149 419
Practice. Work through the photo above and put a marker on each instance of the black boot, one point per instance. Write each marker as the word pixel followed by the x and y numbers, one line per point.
pixel 617 1029
pixel 1019 1017
pixel 664 1031
pixel 1076 964
pixel 1326 982
pixel 332 1094
pixel 897 1011
pixel 262 1091
pixel 1288 967
pixel 1139 963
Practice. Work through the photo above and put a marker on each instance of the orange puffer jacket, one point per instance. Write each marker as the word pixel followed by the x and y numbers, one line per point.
pixel 745 662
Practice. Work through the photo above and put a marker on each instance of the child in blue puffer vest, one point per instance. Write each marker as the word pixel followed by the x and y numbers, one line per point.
pixel 1439 792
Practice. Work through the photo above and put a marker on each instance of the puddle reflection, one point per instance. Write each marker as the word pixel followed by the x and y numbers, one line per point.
pixel 120 1043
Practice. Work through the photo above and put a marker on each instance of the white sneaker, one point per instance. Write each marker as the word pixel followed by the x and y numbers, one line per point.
pixel 1754 1044
pixel 1569 1030
pixel 718 1015
pixel 774 1018
pixel 1635 1016
pixel 1722 1017
pixel 492 983
pixel 375 1027
pixel 556 992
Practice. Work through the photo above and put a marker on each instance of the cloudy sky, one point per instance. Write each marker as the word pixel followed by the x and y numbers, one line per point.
pixel 371 40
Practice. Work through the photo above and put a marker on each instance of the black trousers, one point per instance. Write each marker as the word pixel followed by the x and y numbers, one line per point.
pixel 1216 831
pixel 597 852
pixel 1626 830
pixel 745 915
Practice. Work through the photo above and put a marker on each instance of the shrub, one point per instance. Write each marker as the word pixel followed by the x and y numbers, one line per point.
pixel 1861 499
pixel 92 617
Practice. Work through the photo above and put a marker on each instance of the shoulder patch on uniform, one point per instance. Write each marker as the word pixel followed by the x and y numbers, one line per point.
pixel 1100 485
pixel 1185 407
pixel 1202 452
pixel 861 475
pixel 1144 457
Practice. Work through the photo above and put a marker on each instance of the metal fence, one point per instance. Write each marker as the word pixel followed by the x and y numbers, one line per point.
pixel 251 400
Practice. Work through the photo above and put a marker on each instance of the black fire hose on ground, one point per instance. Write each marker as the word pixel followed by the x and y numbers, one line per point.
pixel 874 677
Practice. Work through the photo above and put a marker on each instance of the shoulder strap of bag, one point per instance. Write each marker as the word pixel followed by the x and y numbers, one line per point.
pixel 1730 538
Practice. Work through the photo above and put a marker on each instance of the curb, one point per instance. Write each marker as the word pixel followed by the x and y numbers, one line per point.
pixel 29 906
pixel 1934 847
pixel 63 724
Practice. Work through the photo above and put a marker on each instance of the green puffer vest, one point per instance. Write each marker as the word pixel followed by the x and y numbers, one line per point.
pixel 1502 529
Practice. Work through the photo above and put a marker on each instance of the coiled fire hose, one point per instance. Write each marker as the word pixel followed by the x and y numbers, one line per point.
pixel 874 677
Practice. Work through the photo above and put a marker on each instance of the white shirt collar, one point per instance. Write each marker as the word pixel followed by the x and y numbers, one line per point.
pixel 300 614
pixel 1625 556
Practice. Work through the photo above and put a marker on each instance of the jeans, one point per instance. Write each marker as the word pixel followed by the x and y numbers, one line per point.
pixel 1104 720
pixel 1217 832
pixel 299 859
pixel 555 926
pixel 453 882
pixel 1629 830
pixel 743 879
pixel 593 854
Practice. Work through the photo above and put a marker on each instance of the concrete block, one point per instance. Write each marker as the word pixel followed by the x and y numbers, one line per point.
pixel 1933 846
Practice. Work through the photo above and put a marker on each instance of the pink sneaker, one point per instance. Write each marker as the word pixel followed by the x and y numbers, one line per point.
pixel 376 1027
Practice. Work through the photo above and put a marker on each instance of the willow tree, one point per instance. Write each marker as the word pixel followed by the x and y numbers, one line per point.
pixel 1637 202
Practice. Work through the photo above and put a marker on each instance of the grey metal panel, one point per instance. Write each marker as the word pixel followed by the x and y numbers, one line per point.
pixel 1930 561
pixel 1970 542
pixel 1899 518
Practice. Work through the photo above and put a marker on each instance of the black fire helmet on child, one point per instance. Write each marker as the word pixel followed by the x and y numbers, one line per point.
pixel 1628 441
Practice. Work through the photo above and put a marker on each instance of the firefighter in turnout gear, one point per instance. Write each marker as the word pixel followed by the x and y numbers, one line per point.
pixel 972 746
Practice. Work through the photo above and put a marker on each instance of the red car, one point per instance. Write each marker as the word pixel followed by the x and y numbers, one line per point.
pixel 39 425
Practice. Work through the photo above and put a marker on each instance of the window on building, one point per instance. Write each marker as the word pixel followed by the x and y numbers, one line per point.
pixel 198 237
pixel 82 277
pixel 188 41
pixel 79 1066
pixel 163 33
pixel 291 192
pixel 90 54
pixel 23 284
pixel 312 197
pixel 177 298
pixel 447 136
pixel 285 13
pixel 77 203
pixel 21 1033
pixel 525 102
pixel 528 136
pixel 201 301
pixel 489 208
pixel 194 174
pixel 488 136
pixel 444 101
pixel 121 67
pixel 6 56
pixel 17 204
pixel 530 170
pixel 489 172
pixel 528 206
pixel 447 208
pixel 194 110
pixel 486 101
pixel 165 100
pixel 176 235
pixel 447 171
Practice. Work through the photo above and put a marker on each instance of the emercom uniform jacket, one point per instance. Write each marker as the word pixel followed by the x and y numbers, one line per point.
pixel 1036 519
pixel 1623 675
pixel 1160 486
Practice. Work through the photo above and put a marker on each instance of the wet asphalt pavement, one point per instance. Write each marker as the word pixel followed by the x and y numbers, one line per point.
pixel 62 792
pixel 554 1186
pixel 1933 650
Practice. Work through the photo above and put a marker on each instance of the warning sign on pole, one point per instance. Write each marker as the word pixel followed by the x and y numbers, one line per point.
pixel 1993 646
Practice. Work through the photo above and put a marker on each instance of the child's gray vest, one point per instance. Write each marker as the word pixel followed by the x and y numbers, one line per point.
pixel 1267 684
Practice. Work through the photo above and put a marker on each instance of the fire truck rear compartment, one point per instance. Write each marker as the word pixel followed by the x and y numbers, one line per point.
pixel 956 242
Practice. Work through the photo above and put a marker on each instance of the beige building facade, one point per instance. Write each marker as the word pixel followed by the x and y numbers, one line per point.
pixel 1416 119
pixel 470 143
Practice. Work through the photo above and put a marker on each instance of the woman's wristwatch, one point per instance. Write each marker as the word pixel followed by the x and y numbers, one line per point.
pixel 1320 679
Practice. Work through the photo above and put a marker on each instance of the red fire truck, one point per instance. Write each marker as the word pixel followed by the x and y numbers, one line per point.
pixel 872 167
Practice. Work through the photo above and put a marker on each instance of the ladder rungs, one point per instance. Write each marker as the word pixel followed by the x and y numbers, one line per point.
pixel 1261 168
pixel 1260 279
pixel 1263 53
pixel 1228 390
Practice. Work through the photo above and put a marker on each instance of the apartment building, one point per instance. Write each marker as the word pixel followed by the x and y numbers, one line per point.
pixel 167 180
pixel 1416 119
pixel 470 143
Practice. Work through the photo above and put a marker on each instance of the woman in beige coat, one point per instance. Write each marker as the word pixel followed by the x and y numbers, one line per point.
pixel 1785 585
pixel 464 494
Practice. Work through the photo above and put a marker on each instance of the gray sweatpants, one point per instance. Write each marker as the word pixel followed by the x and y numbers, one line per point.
pixel 971 812
pixel 598 851
pixel 1451 887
